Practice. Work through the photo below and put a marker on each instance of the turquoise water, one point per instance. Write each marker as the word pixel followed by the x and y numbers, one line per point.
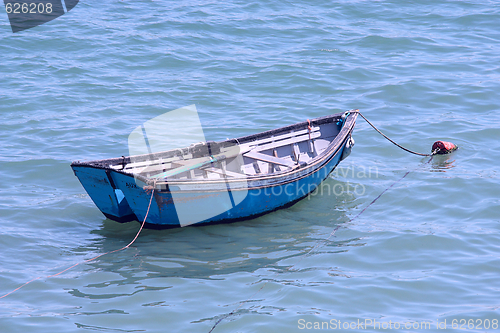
pixel 426 251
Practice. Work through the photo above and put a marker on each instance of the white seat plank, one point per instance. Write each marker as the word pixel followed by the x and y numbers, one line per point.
pixel 269 159
pixel 286 142
pixel 280 137
pixel 226 172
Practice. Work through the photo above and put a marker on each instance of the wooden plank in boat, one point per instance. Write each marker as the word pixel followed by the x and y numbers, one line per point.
pixel 281 137
pixel 175 159
pixel 222 172
pixel 149 163
pixel 203 161
pixel 296 152
pixel 155 167
pixel 269 159
pixel 256 167
pixel 276 167
pixel 286 142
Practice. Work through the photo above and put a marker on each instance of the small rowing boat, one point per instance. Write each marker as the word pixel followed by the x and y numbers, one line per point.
pixel 213 182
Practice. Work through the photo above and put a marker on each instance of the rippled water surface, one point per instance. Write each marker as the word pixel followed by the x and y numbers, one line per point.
pixel 426 251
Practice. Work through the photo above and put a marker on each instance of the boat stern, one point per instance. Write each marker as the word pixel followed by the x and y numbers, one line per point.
pixel 99 184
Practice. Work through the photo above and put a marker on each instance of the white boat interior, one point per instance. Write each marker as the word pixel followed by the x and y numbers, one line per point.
pixel 275 151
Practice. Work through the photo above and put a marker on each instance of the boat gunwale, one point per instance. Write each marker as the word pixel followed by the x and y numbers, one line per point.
pixel 329 152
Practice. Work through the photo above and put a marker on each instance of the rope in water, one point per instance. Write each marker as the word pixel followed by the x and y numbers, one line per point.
pixel 91 259
pixel 322 242
pixel 385 136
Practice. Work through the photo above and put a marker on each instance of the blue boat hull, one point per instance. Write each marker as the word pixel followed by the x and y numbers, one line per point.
pixel 106 196
pixel 258 200
pixel 124 196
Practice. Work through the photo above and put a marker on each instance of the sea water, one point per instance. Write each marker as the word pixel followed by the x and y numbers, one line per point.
pixel 425 256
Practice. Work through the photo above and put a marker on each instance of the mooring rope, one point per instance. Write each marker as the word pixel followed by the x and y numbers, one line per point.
pixel 91 259
pixel 385 136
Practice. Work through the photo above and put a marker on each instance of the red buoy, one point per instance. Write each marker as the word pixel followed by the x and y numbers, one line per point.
pixel 443 147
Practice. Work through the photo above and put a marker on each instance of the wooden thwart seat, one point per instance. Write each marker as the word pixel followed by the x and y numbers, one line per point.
pixel 292 139
pixel 269 159
pixel 222 172
pixel 214 170
pixel 314 134
pixel 149 163
pixel 285 142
